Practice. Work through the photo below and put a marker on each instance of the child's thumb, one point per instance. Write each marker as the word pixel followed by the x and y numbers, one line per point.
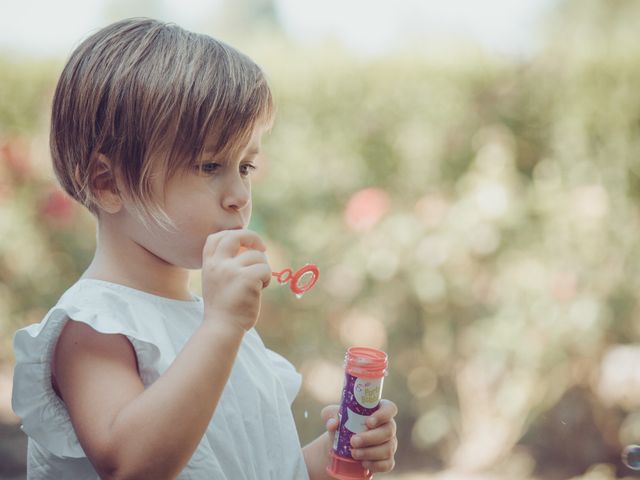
pixel 329 415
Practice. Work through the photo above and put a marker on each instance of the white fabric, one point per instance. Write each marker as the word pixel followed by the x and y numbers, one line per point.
pixel 252 434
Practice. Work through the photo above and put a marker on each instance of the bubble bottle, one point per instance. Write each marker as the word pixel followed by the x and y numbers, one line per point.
pixel 365 369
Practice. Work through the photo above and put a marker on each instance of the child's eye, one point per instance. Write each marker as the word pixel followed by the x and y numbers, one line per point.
pixel 208 168
pixel 247 168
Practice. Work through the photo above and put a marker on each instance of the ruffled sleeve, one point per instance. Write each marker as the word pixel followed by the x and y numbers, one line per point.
pixel 291 380
pixel 44 416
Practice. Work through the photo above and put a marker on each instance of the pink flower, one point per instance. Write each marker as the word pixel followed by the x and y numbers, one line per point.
pixel 365 209
pixel 14 153
pixel 58 207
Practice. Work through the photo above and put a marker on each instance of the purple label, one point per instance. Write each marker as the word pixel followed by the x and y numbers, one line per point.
pixel 360 398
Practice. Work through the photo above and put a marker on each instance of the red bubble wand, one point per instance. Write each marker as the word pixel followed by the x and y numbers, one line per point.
pixel 300 281
pixel 297 282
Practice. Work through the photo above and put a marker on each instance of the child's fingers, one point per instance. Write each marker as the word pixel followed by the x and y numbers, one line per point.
pixel 252 257
pixel 329 415
pixel 377 436
pixel 227 242
pixel 379 452
pixel 384 414
pixel 262 272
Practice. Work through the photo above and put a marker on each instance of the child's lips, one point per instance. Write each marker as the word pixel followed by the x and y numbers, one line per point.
pixel 236 227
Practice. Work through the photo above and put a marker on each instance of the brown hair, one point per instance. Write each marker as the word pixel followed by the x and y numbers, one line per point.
pixel 140 88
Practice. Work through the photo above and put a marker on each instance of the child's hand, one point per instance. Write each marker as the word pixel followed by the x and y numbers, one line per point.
pixel 377 446
pixel 232 280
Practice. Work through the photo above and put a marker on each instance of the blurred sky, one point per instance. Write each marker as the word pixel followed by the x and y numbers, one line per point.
pixel 368 27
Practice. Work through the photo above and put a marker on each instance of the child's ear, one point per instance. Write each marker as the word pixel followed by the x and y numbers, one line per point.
pixel 105 186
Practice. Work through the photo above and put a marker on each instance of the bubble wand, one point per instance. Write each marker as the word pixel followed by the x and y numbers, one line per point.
pixel 295 279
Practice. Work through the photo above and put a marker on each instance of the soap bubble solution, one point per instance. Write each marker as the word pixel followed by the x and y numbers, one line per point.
pixel 631 457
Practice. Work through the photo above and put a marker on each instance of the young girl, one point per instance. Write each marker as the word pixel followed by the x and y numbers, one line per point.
pixel 156 130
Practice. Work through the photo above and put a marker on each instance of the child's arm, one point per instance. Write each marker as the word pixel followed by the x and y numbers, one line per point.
pixel 129 432
pixel 376 450
pixel 316 455
pixel 125 430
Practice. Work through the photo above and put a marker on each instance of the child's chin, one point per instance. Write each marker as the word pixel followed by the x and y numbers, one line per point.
pixel 188 262
pixel 196 264
pixel 192 264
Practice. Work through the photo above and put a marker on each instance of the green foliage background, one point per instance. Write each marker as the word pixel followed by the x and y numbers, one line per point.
pixel 501 277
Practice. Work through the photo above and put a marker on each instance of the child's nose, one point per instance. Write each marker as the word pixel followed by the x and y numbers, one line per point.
pixel 237 196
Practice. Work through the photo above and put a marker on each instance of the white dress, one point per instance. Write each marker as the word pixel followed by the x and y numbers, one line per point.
pixel 252 434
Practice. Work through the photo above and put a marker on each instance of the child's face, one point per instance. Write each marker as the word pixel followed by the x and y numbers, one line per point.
pixel 202 202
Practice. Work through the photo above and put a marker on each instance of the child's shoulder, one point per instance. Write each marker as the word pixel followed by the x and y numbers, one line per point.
pixel 114 308
pixel 109 296
pixel 106 308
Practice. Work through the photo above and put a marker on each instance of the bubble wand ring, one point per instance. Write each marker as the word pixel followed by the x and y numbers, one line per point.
pixel 287 275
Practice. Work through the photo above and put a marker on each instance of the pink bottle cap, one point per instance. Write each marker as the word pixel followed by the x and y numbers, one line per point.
pixel 347 469
pixel 366 362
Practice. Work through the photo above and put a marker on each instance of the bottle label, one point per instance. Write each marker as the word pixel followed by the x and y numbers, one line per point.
pixel 355 423
pixel 360 399
pixel 367 391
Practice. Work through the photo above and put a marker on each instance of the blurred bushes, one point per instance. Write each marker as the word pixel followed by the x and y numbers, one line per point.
pixel 46 240
pixel 475 217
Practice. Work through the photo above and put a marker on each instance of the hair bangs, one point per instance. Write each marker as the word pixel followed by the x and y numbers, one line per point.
pixel 221 109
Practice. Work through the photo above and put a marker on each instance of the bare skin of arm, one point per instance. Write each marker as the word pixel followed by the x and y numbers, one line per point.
pixel 316 457
pixel 130 432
